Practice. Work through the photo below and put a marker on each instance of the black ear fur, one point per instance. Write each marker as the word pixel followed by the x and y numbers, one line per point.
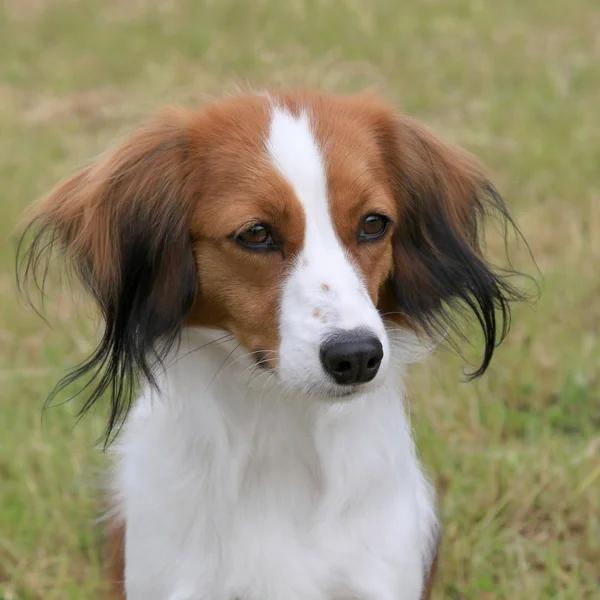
pixel 123 224
pixel 144 320
pixel 441 275
pixel 452 278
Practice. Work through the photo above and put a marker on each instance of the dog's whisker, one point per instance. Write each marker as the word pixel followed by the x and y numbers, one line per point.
pixel 222 340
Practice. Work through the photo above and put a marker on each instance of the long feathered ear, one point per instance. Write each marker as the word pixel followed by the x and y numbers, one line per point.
pixel 440 272
pixel 123 225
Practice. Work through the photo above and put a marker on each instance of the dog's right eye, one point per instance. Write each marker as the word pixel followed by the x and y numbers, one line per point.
pixel 258 237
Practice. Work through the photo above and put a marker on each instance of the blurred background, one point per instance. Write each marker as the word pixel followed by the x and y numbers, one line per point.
pixel 514 456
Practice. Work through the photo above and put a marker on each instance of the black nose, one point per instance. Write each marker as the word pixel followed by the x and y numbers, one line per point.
pixel 352 357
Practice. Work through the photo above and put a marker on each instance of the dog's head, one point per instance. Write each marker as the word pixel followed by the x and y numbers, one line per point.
pixel 295 221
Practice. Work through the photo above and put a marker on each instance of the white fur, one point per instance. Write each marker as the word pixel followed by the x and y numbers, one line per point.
pixel 236 487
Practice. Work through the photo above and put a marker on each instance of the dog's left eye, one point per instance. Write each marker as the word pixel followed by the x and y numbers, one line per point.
pixel 373 227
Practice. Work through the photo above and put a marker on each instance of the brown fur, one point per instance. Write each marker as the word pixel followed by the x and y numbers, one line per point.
pixel 115 558
pixel 432 573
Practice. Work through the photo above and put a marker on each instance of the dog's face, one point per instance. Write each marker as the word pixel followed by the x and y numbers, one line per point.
pixel 295 244
pixel 295 221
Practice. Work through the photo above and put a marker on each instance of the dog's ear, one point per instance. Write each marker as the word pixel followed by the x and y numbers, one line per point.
pixel 440 272
pixel 123 225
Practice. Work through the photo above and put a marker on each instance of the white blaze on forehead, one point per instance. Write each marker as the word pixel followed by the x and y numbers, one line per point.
pixel 294 151
pixel 296 154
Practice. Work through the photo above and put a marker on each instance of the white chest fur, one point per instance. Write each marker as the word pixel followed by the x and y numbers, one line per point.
pixel 231 490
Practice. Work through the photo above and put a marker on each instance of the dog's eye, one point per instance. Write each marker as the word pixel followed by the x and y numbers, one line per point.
pixel 373 227
pixel 258 237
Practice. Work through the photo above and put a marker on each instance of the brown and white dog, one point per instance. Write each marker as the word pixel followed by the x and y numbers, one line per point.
pixel 263 266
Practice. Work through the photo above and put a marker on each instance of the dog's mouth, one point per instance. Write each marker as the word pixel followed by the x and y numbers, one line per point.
pixel 333 393
pixel 347 393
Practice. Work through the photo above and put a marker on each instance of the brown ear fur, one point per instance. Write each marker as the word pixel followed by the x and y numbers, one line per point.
pixel 123 224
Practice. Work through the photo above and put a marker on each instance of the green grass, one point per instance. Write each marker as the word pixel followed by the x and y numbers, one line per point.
pixel 515 456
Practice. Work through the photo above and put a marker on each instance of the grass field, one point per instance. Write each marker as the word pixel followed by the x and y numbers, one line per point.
pixel 516 455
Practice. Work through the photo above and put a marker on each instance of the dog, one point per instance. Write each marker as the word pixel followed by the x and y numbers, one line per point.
pixel 266 267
